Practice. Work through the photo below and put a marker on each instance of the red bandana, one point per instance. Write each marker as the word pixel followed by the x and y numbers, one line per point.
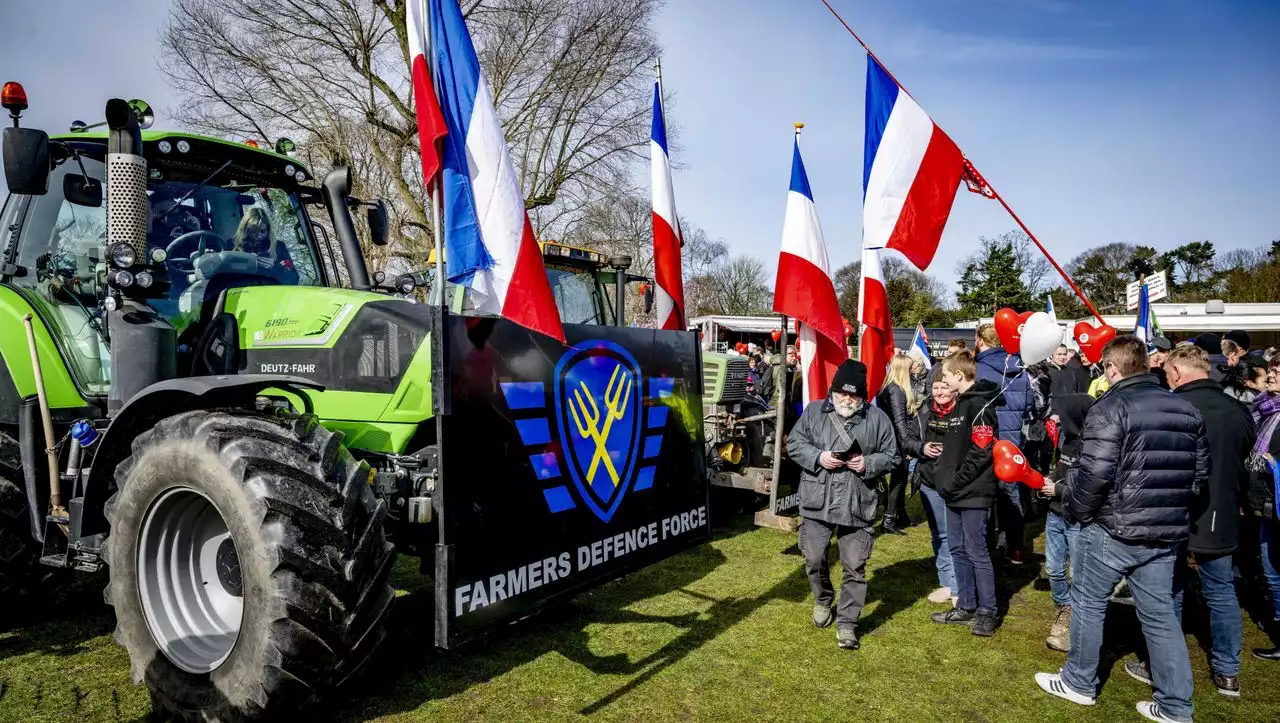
pixel 982 435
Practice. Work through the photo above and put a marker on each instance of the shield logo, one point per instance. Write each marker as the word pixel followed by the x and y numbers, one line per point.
pixel 598 388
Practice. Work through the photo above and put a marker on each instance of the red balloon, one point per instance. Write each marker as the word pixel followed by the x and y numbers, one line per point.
pixel 776 334
pixel 848 328
pixel 1009 329
pixel 1011 465
pixel 1092 339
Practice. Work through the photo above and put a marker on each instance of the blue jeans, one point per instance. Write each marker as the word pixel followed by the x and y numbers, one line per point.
pixel 1271 564
pixel 1102 561
pixel 971 560
pixel 1225 627
pixel 935 511
pixel 1059 545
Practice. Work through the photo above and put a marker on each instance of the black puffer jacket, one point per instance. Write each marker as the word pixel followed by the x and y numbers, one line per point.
pixel 1215 514
pixel 1143 452
pixel 930 425
pixel 892 400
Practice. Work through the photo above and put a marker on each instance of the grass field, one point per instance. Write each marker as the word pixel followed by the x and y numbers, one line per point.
pixel 721 632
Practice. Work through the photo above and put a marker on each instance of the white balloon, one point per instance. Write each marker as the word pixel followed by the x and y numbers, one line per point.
pixel 1040 338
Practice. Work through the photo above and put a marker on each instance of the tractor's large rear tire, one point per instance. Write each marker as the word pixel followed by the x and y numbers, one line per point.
pixel 27 588
pixel 249 565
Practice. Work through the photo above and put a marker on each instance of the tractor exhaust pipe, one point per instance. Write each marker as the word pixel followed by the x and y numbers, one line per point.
pixel 336 187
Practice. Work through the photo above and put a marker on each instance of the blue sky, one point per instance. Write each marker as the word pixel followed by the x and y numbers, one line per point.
pixel 1144 122
pixel 1098 121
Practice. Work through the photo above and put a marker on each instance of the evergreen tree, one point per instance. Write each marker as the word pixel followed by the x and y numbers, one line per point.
pixel 992 279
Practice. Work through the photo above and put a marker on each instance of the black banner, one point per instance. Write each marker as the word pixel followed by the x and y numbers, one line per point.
pixel 563 466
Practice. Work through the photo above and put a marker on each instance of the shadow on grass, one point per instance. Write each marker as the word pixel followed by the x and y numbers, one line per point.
pixel 62 628
pixel 409 671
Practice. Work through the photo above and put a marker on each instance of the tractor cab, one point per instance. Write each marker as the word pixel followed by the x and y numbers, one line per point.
pixel 219 215
pixel 585 284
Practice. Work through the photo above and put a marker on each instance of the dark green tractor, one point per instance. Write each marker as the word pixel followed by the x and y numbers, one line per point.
pixel 197 399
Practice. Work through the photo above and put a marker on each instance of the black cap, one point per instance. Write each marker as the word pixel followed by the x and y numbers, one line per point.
pixel 1160 343
pixel 1209 342
pixel 1240 337
pixel 851 378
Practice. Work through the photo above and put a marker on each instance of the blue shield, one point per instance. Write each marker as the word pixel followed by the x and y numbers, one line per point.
pixel 598 390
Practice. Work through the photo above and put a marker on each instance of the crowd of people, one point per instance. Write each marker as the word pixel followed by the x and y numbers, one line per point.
pixel 1158 461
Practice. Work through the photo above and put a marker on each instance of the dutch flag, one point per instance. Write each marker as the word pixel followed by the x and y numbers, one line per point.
pixel 920 346
pixel 666 225
pixel 804 290
pixel 488 241
pixel 911 172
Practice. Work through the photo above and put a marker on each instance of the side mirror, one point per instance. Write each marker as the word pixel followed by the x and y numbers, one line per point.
pixel 82 190
pixel 379 222
pixel 26 161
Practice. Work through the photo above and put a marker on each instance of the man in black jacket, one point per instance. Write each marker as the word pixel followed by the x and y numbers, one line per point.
pixel 966 480
pixel 1215 524
pixel 1143 454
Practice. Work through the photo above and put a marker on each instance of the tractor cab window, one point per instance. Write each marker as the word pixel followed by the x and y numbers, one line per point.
pixel 579 295
pixel 217 237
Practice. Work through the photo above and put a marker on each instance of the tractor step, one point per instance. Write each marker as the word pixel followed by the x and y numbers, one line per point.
pixel 54 560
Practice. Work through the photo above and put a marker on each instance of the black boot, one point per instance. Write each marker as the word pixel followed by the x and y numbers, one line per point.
pixel 1272 653
pixel 891 527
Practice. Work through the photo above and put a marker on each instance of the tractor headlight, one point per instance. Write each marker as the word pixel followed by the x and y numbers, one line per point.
pixel 164 146
pixel 123 255
pixel 379 277
pixel 122 279
pixel 289 169
pixel 183 146
pixel 110 303
pixel 405 283
pixel 143 279
pixel 299 176
pixel 158 256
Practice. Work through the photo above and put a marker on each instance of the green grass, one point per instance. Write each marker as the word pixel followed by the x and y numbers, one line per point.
pixel 721 632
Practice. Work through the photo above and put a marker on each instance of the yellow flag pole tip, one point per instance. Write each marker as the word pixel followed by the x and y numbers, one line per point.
pixel 798 125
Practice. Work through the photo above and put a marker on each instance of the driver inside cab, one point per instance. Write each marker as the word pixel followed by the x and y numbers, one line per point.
pixel 254 236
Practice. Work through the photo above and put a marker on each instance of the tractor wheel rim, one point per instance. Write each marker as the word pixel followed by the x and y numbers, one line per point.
pixel 189 580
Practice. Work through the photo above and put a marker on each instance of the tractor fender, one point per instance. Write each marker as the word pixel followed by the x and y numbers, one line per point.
pixel 165 399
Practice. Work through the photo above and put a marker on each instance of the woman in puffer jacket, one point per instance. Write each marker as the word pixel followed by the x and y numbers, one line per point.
pixel 898 399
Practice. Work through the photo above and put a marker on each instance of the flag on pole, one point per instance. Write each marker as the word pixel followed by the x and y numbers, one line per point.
pixel 488 240
pixel 666 225
pixel 920 346
pixel 431 123
pixel 1145 326
pixel 875 345
pixel 803 289
pixel 911 172
pixel 1052 314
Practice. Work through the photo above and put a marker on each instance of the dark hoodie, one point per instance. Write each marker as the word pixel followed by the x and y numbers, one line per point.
pixel 966 477
pixel 1005 371
pixel 1071 410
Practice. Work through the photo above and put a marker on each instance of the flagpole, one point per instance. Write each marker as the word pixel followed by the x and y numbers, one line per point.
pixel 781 419
pixel 994 193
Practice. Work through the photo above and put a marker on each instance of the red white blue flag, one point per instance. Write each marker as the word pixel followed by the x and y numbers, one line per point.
pixel 875 343
pixel 488 241
pixel 803 289
pixel 666 225
pixel 911 172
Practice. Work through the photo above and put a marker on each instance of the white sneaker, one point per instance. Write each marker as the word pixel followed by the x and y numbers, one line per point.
pixel 1052 684
pixel 940 596
pixel 1151 711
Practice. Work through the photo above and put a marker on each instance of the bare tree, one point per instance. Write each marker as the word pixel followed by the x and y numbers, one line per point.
pixel 736 287
pixel 570 80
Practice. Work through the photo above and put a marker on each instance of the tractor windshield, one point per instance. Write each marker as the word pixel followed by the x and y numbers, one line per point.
pixel 233 231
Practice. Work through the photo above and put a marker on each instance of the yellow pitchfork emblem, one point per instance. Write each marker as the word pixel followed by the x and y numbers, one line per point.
pixel 586 416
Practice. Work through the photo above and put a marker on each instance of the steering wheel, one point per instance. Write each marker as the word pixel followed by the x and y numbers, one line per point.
pixel 185 263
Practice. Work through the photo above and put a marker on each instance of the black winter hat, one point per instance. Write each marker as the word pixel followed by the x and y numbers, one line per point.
pixel 1239 336
pixel 1209 342
pixel 851 378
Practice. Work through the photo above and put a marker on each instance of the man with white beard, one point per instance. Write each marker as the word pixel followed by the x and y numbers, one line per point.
pixel 843 446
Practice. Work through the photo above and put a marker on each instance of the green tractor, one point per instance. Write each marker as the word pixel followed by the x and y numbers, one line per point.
pixel 190 400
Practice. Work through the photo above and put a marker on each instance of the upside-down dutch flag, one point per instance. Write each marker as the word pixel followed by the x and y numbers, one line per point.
pixel 666 225
pixel 803 289
pixel 488 241
pixel 875 344
pixel 910 175
pixel 920 346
